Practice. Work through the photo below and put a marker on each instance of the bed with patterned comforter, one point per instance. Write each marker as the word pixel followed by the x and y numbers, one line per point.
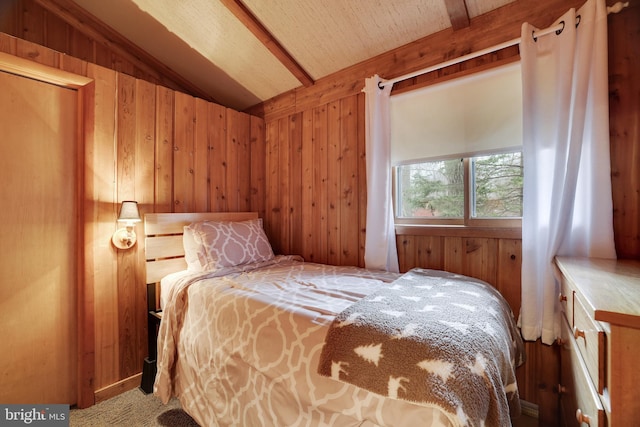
pixel 242 346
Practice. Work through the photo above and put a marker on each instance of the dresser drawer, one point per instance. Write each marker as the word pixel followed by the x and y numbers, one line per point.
pixel 590 339
pixel 579 397
pixel 605 297
pixel 566 296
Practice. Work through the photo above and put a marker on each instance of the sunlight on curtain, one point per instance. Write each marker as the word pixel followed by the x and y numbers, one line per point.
pixel 380 245
pixel 567 186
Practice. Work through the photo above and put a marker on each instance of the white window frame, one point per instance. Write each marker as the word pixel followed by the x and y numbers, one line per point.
pixel 467 220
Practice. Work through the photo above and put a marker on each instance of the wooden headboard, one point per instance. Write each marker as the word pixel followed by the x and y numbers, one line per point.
pixel 164 252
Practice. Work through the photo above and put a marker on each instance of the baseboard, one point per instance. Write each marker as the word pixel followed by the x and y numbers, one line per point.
pixel 118 388
pixel 529 409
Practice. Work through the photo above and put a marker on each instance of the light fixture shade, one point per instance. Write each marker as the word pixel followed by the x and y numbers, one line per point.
pixel 129 212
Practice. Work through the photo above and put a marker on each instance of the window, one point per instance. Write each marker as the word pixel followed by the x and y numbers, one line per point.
pixel 456 151
pixel 496 190
pixel 480 190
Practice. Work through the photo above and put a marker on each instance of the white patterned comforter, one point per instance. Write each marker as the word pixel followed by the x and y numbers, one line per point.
pixel 241 347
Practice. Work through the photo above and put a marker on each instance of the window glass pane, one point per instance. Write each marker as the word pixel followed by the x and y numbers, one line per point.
pixel 497 184
pixel 431 190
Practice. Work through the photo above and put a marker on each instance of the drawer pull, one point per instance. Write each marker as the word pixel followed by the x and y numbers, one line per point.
pixel 577 333
pixel 562 298
pixel 582 418
pixel 561 389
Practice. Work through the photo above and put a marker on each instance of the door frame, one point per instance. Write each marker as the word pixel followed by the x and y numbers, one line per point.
pixel 85 88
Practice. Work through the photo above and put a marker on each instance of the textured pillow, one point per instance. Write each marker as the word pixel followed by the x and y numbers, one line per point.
pixel 220 244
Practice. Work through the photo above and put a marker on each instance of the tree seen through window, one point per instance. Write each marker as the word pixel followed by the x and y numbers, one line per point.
pixel 435 189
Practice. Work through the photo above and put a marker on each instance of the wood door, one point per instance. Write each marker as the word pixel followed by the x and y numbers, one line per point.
pixel 38 261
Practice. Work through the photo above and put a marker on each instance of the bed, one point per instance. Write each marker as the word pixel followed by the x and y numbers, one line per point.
pixel 249 338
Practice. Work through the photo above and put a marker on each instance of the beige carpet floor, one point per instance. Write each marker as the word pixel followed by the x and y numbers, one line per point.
pixel 136 409
pixel 132 409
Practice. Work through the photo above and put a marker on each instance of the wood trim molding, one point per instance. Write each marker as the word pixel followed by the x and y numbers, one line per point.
pixel 459 231
pixel 33 70
pixel 118 388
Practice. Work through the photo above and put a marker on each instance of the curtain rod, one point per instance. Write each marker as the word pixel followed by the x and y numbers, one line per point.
pixel 556 28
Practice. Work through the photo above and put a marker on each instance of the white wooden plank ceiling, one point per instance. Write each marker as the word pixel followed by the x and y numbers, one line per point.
pixel 245 52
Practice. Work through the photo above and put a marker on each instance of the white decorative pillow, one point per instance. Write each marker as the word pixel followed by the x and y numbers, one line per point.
pixel 218 244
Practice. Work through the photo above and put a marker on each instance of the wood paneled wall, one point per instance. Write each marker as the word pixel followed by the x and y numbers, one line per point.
pixel 316 185
pixel 624 125
pixel 172 153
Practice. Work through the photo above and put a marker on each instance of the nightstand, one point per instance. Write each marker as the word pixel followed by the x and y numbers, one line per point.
pixel 154 316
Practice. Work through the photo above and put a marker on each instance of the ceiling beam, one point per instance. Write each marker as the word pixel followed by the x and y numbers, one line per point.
pixel 251 22
pixel 87 24
pixel 458 14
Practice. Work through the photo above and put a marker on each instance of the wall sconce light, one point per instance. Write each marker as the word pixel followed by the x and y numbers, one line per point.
pixel 125 238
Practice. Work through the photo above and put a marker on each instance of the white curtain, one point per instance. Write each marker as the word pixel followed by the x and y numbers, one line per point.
pixel 380 245
pixel 567 184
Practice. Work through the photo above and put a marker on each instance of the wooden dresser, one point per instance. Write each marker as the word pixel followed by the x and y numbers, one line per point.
pixel 600 342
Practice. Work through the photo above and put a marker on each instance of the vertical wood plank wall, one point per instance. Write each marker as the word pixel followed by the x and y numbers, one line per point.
pixel 314 186
pixel 624 125
pixel 172 153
